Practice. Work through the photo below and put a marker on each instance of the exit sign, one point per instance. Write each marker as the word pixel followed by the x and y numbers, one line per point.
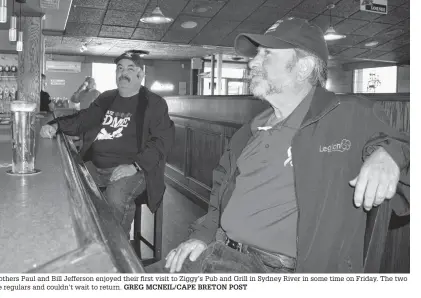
pixel 49 4
pixel 376 6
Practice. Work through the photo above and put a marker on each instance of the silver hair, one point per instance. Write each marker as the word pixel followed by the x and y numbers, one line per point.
pixel 318 76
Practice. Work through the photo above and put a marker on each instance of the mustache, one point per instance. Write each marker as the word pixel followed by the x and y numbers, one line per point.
pixel 124 77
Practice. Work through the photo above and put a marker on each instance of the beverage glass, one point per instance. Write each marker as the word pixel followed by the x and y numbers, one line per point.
pixel 23 138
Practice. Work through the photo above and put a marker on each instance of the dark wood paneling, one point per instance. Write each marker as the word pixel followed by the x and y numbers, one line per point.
pixel 205 152
pixel 177 155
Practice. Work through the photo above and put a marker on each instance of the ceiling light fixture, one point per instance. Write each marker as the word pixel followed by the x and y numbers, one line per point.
pixel 331 33
pixel 371 43
pixel 13 23
pixel 19 44
pixel 3 11
pixel 156 17
pixel 189 25
pixel 200 9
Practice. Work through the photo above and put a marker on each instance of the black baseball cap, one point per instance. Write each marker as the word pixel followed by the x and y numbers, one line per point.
pixel 134 55
pixel 287 33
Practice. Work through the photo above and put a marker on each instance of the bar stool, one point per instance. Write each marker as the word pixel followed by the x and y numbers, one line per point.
pixel 156 247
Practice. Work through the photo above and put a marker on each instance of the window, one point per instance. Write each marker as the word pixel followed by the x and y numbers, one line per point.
pixel 376 80
pixel 233 79
pixel 104 75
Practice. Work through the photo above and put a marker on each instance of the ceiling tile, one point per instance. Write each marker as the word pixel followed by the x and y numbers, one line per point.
pixel 371 54
pixel 396 2
pixel 406 4
pixel 267 15
pixel 214 32
pixel 238 10
pixel 364 15
pixel 392 56
pixel 128 5
pixel 116 32
pixel 323 21
pixel 77 29
pixel 404 38
pixel 228 41
pixel 404 24
pixel 352 52
pixel 201 22
pixel 251 27
pixel 102 4
pixel 285 4
pixel 390 33
pixel 302 15
pixel 395 16
pixel 148 34
pixel 344 8
pixel 348 26
pixel 122 18
pixel 371 29
pixel 335 50
pixel 405 49
pixel 388 46
pixel 86 15
pixel 179 34
pixel 314 6
pixel 211 7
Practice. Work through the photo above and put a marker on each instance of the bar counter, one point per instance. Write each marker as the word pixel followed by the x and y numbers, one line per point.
pixel 57 221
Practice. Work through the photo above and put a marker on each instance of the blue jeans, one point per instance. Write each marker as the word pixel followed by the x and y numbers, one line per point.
pixel 219 258
pixel 120 194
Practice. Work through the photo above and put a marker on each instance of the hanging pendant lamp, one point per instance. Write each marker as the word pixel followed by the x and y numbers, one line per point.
pixel 156 17
pixel 3 11
pixel 331 33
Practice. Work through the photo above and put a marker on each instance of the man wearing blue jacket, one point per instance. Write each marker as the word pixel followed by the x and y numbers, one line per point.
pixel 127 134
pixel 287 192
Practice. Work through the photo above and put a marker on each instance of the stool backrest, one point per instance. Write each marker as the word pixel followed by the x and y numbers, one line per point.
pixel 375 236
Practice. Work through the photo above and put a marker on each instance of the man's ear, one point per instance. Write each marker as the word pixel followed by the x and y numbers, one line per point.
pixel 305 67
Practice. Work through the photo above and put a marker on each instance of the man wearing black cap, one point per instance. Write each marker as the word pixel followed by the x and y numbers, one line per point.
pixel 287 189
pixel 127 134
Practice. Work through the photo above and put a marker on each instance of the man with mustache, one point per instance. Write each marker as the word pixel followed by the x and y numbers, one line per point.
pixel 127 135
pixel 279 202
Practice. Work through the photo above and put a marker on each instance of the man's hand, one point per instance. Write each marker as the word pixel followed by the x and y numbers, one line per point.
pixel 378 179
pixel 176 257
pixel 123 171
pixel 48 131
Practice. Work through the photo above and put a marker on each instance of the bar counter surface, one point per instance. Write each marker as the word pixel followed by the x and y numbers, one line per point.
pixel 57 220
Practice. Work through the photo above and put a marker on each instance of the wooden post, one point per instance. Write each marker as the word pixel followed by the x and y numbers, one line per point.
pixel 30 60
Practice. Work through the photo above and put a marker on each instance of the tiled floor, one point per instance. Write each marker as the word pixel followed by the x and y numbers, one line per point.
pixel 179 213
